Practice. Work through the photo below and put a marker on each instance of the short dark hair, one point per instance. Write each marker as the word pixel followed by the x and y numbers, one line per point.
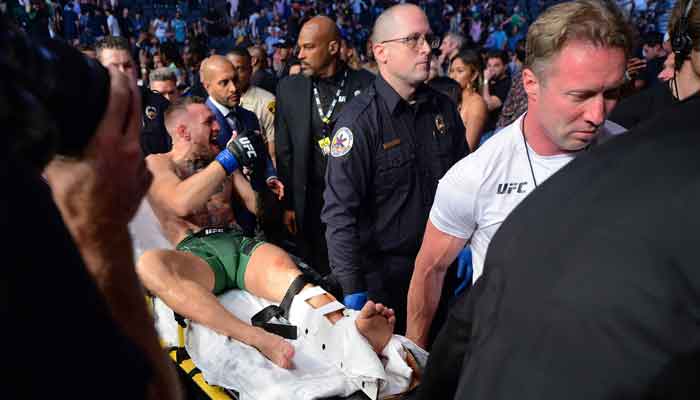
pixel 652 39
pixel 240 52
pixel 497 54
pixel 112 43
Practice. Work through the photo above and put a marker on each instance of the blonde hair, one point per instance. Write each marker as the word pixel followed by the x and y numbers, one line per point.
pixel 599 22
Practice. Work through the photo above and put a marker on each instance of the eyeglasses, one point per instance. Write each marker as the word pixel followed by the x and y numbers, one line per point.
pixel 417 40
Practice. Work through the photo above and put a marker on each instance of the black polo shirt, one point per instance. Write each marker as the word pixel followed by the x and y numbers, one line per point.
pixel 154 136
pixel 500 89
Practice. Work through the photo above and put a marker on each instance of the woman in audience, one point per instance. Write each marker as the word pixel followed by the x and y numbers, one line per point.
pixel 465 68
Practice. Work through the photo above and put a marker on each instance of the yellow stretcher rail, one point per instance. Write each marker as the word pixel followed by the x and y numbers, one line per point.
pixel 183 361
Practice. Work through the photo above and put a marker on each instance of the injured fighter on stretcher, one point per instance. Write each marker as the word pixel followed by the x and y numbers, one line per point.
pixel 193 186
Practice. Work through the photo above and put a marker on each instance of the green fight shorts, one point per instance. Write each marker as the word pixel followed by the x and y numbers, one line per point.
pixel 227 251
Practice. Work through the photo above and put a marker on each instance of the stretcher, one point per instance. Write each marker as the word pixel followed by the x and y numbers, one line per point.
pixel 180 338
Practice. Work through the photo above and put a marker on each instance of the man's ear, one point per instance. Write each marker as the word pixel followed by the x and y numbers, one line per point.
pixel 182 132
pixel 379 52
pixel 531 84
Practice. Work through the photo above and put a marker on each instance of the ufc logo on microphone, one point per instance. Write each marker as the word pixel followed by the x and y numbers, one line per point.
pixel 250 151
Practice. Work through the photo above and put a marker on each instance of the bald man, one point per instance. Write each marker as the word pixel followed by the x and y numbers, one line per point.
pixel 222 82
pixel 390 147
pixel 307 108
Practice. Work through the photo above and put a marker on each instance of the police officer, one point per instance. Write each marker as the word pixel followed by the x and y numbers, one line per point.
pixel 390 147
pixel 115 51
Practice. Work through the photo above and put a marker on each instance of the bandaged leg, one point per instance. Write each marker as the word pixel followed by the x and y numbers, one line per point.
pixel 231 364
pixel 352 342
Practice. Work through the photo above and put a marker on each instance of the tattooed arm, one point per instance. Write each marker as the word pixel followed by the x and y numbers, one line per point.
pixel 242 188
pixel 183 188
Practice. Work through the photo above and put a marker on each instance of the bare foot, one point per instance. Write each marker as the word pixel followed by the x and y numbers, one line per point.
pixel 376 323
pixel 275 348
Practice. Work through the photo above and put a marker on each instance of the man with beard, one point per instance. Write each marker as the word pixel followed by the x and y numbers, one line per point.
pixel 221 81
pixel 307 108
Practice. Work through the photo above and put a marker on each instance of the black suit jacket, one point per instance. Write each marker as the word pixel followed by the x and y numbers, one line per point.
pixel 293 132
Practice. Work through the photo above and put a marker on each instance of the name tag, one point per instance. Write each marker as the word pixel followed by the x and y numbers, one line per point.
pixel 392 143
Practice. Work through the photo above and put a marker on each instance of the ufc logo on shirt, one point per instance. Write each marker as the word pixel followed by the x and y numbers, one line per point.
pixel 508 188
pixel 250 151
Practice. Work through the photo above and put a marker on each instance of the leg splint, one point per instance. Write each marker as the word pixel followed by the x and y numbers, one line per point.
pixel 340 344
pixel 230 364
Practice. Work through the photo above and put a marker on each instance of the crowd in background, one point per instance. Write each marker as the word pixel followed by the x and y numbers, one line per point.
pixel 169 32
pixel 476 52
pixel 477 63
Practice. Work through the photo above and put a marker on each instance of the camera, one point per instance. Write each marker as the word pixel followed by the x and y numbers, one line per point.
pixel 51 95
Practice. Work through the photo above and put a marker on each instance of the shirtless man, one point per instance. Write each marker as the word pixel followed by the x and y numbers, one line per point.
pixel 192 188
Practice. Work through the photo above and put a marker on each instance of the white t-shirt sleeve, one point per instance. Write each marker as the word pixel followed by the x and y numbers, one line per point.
pixel 455 200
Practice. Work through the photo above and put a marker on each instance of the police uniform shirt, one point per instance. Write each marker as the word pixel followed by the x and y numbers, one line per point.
pixel 154 137
pixel 478 193
pixel 386 158
pixel 262 104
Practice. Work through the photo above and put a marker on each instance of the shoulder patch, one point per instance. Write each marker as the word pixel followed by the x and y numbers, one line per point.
pixel 342 142
pixel 151 112
pixel 271 106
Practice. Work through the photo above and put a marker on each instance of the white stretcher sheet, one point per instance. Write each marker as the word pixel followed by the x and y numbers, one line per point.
pixel 234 365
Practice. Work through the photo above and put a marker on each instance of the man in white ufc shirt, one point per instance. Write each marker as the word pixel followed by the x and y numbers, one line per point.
pixel 569 97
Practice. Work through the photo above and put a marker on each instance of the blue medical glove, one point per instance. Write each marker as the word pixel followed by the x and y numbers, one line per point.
pixel 355 301
pixel 464 269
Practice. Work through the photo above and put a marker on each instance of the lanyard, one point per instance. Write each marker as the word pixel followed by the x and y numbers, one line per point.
pixel 326 118
pixel 527 152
